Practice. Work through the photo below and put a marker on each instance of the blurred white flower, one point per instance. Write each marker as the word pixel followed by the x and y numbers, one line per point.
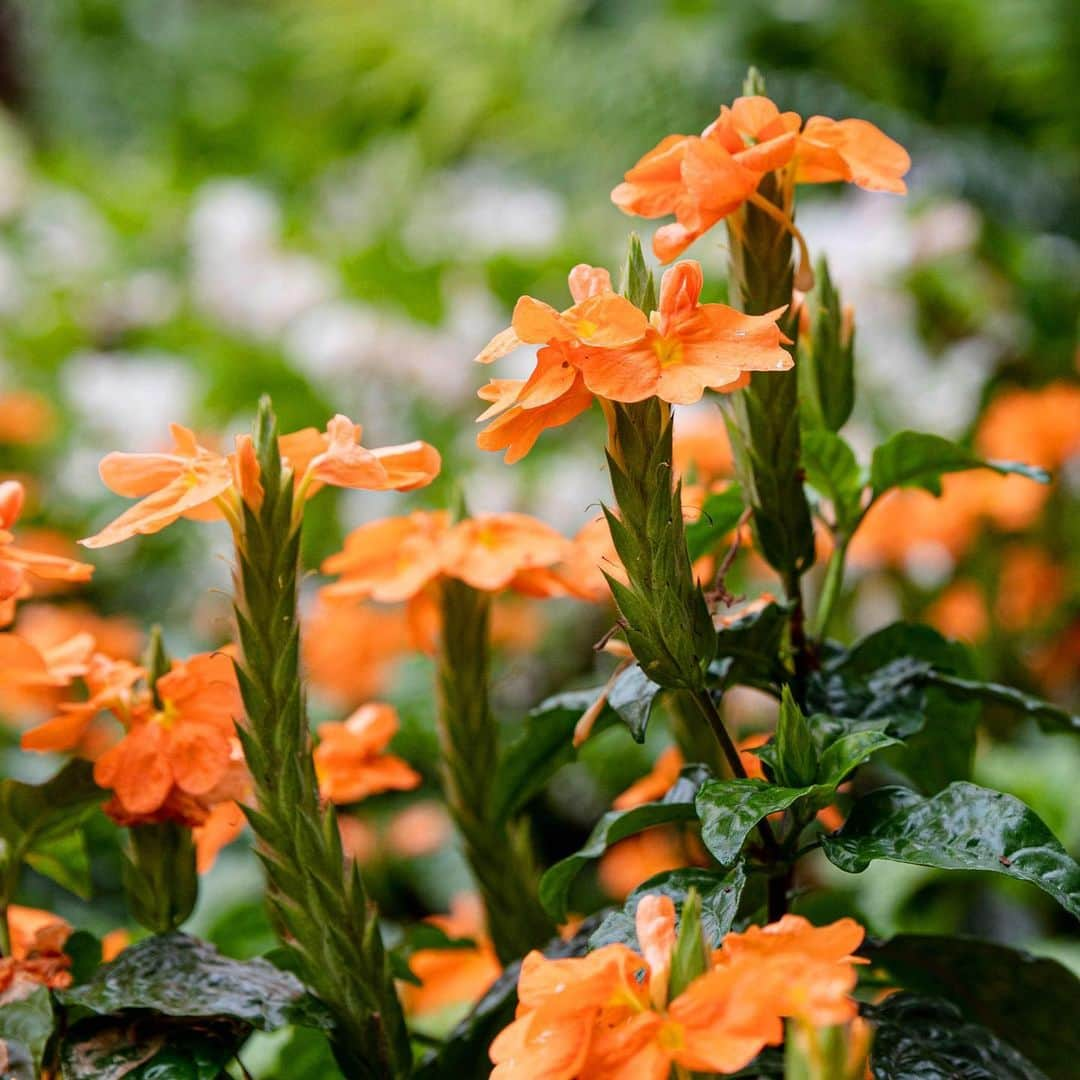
pixel 126 400
pixel 12 290
pixel 65 237
pixel 478 210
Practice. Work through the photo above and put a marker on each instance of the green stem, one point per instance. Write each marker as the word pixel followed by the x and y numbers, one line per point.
pixel 500 861
pixel 159 875
pixel 317 897
pixel 831 587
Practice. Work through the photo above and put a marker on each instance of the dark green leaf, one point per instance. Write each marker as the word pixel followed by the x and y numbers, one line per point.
pixel 149 1048
pixel 917 459
pixel 26 1018
pixel 833 471
pixel 746 651
pixel 964 827
pixel 720 893
pixel 795 754
pixel 64 859
pixel 177 975
pixel 84 950
pixel 1049 717
pixel 632 696
pixel 719 515
pixel 690 957
pixel 616 825
pixel 847 753
pixel 927 1039
pixel 729 811
pixel 1019 997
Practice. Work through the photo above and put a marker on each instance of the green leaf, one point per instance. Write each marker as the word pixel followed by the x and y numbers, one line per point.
pixel 1019 997
pixel 729 811
pixel 632 696
pixel 746 651
pixel 719 891
pixel 1022 706
pixel 719 515
pixel 26 1019
pixel 177 975
pixel 795 755
pixel 833 471
pixel 111 1049
pixel 690 957
pixel 40 823
pixel 637 284
pixel 920 1038
pixel 964 827
pixel 884 683
pixel 65 860
pixel 827 373
pixel 916 459
pixel 616 825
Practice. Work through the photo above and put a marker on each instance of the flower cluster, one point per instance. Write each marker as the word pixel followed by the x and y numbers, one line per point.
pixel 703 179
pixel 603 346
pixel 610 1013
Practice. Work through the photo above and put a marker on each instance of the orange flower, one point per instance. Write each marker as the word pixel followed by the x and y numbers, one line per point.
pixel 687 348
pixel 195 482
pixel 420 829
pixel 178 762
pixel 960 612
pixel 24 666
pixel 1030 587
pixel 453 977
pixel 350 762
pixel 703 179
pixel 26 418
pixel 37 952
pixel 398 558
pixel 655 784
pixel 808 971
pixel 607 1014
pixel 681 349
pixel 350 651
pixel 110 686
pixel 625 865
pixel 17 564
pixel 223 824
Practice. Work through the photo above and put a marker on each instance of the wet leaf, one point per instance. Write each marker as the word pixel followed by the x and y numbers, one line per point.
pixel 26 1020
pixel 719 514
pixel 964 827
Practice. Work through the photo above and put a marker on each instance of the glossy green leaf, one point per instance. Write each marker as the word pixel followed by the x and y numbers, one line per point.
pixel 40 824
pixel 616 825
pixel 719 515
pixel 730 810
pixel 964 827
pixel 916 459
pixel 720 892
pixel 747 649
pixel 177 975
pixel 1023 706
pixel 632 696
pixel 26 1020
pixel 920 1038
pixel 796 756
pixel 1019 997
pixel 834 472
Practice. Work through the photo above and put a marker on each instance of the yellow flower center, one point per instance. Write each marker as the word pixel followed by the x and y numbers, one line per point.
pixel 670 1037
pixel 168 714
pixel 586 328
pixel 668 351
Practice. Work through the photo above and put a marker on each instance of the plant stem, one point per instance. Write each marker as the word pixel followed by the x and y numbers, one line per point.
pixel 470 750
pixel 831 587
pixel 318 900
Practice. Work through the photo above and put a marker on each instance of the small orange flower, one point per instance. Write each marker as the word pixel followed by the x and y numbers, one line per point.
pixel 37 951
pixel 687 348
pixel 350 761
pixel 625 865
pixel 1030 587
pixel 655 784
pixel 195 482
pixel 178 762
pixel 608 1014
pixel 18 564
pixel 703 179
pixel 961 612
pixel 223 824
pixel 26 418
pixel 453 977
pixel 683 348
